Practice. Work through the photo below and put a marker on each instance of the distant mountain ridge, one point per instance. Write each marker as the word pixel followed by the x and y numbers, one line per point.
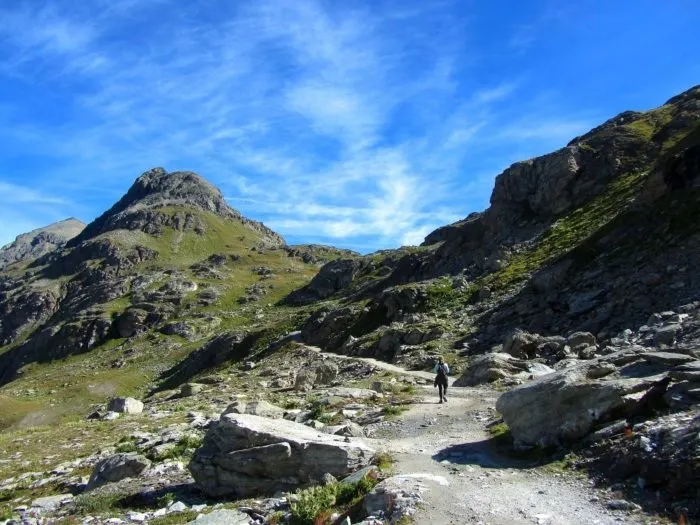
pixel 41 241
pixel 157 189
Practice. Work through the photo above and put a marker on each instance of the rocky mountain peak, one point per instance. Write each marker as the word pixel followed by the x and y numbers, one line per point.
pixel 40 241
pixel 157 189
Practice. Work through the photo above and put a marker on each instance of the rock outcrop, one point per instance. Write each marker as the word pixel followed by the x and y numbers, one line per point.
pixel 116 468
pixel 244 455
pixel 568 245
pixel 635 374
pixel 492 367
pixel 563 407
pixel 125 405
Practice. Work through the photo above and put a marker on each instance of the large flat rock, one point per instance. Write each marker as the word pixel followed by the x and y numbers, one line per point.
pixel 564 406
pixel 244 455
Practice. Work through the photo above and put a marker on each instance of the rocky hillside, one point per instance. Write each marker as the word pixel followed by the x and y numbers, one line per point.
pixel 168 265
pixel 593 237
pixel 39 242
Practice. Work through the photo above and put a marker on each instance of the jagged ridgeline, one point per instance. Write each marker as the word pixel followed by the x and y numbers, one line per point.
pixel 131 294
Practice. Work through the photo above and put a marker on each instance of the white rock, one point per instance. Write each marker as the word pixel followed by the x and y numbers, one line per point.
pixel 178 506
pixel 137 517
pixel 125 405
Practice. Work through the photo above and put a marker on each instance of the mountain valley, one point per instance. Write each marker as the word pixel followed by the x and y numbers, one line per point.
pixel 174 358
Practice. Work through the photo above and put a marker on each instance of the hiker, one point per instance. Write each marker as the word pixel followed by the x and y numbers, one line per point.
pixel 441 371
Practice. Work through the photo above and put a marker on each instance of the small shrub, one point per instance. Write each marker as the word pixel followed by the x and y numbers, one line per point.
pixel 393 411
pixel 8 494
pixel 315 505
pixel 498 430
pixel 409 389
pixel 175 518
pixel 311 503
pixel 97 503
pixel 440 293
pixel 317 409
pixel 166 499
pixel 126 446
pixel 383 460
pixel 185 446
pixel 291 404
pixel 331 419
pixel 352 492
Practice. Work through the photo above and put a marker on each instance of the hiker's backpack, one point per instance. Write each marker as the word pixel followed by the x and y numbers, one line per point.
pixel 442 370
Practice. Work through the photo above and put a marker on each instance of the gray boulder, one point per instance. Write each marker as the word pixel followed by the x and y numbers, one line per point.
pixel 125 405
pixel 222 517
pixel 666 335
pixel 132 322
pixel 669 359
pixel 399 497
pixel 317 374
pixel 578 339
pixel 244 455
pixel 255 408
pixel 116 468
pixel 564 406
pixel 686 372
pixel 521 344
pixel 348 429
pixel 488 368
pixel 51 503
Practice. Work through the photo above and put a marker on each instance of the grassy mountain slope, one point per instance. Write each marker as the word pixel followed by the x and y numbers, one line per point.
pixel 121 306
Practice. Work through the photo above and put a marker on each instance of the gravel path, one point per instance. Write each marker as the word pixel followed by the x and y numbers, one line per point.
pixel 380 364
pixel 449 441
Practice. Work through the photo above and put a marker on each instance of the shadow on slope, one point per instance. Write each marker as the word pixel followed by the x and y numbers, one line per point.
pixel 224 348
pixel 497 452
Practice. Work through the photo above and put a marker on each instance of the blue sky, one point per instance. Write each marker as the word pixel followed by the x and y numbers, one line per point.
pixel 363 124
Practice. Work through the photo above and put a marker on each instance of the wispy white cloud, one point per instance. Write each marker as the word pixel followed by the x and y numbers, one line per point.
pixel 325 120
pixel 13 193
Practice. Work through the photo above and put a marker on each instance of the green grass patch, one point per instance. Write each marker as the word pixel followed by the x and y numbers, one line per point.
pixel 316 504
pixel 499 431
pixel 383 460
pixel 178 518
pixel 185 447
pixel 441 293
pixel 99 503
pixel 393 411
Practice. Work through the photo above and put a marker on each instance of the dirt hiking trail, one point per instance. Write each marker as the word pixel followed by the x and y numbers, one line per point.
pixel 449 443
